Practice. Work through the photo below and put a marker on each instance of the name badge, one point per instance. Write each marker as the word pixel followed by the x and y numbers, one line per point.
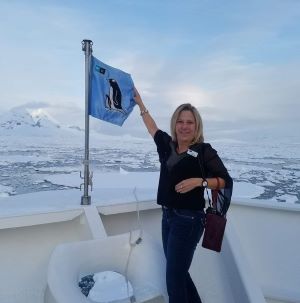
pixel 192 153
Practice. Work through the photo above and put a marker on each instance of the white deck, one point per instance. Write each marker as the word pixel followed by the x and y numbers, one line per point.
pixel 260 260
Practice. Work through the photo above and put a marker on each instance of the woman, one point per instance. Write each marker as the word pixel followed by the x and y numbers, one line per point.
pixel 181 193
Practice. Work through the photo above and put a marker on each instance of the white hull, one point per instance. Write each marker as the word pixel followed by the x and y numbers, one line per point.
pixel 44 254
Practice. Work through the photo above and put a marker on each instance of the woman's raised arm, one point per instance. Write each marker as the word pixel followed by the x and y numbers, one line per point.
pixel 148 120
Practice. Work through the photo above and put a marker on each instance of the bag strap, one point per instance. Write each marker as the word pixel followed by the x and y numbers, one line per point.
pixel 220 199
pixel 201 164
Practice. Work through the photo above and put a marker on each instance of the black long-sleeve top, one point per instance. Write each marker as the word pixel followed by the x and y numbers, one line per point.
pixel 177 167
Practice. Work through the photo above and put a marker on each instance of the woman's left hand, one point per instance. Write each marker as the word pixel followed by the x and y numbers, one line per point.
pixel 188 184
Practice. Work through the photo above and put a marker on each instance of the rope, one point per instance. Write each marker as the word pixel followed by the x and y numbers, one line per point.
pixel 132 244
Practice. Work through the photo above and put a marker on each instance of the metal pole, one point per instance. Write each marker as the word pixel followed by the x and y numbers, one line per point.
pixel 87 48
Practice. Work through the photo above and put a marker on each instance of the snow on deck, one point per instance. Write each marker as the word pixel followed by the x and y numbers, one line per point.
pixel 110 188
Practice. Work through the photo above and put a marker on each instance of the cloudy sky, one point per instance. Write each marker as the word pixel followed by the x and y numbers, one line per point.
pixel 237 61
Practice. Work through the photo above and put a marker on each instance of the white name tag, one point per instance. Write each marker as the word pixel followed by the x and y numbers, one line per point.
pixel 192 153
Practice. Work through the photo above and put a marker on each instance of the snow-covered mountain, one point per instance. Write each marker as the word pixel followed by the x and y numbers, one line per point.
pixel 67 121
pixel 30 120
pixel 21 117
pixel 40 124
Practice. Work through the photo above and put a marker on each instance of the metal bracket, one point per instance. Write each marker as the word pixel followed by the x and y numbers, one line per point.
pixel 90 180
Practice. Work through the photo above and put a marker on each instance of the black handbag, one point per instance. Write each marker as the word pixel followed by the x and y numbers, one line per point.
pixel 215 222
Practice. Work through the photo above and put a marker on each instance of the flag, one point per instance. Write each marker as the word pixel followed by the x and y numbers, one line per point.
pixel 111 93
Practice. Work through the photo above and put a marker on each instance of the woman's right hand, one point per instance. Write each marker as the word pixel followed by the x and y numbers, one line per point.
pixel 148 120
pixel 137 97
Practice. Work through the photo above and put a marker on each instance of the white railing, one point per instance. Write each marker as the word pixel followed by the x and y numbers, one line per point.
pixel 268 233
pixel 260 257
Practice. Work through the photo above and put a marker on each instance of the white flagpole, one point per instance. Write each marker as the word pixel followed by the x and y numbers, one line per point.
pixel 87 48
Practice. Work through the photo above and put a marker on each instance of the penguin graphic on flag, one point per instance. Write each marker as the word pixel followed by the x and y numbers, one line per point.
pixel 111 93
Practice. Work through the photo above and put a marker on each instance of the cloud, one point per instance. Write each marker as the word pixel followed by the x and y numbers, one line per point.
pixel 240 66
pixel 231 87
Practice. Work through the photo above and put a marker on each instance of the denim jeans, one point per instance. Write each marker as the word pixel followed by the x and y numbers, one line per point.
pixel 181 232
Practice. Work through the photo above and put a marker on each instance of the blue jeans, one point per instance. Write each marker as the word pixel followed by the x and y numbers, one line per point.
pixel 181 232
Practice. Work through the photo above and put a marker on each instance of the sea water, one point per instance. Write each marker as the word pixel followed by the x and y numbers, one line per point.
pixel 272 169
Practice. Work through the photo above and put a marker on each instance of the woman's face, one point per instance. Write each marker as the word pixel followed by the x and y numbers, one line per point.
pixel 185 127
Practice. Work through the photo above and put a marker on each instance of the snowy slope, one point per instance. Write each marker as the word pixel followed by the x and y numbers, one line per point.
pixel 31 121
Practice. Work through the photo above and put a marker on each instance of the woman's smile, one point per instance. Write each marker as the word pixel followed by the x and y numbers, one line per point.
pixel 185 127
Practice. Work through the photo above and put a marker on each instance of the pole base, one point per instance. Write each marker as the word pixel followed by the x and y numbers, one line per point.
pixel 86 200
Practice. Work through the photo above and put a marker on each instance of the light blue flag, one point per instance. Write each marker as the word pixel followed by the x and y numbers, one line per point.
pixel 111 93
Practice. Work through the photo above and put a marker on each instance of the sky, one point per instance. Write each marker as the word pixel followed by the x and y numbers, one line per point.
pixel 237 61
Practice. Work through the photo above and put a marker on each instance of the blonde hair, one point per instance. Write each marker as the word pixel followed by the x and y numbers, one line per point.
pixel 199 138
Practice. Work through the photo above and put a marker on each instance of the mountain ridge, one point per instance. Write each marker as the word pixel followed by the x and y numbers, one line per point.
pixel 26 123
pixel 29 120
